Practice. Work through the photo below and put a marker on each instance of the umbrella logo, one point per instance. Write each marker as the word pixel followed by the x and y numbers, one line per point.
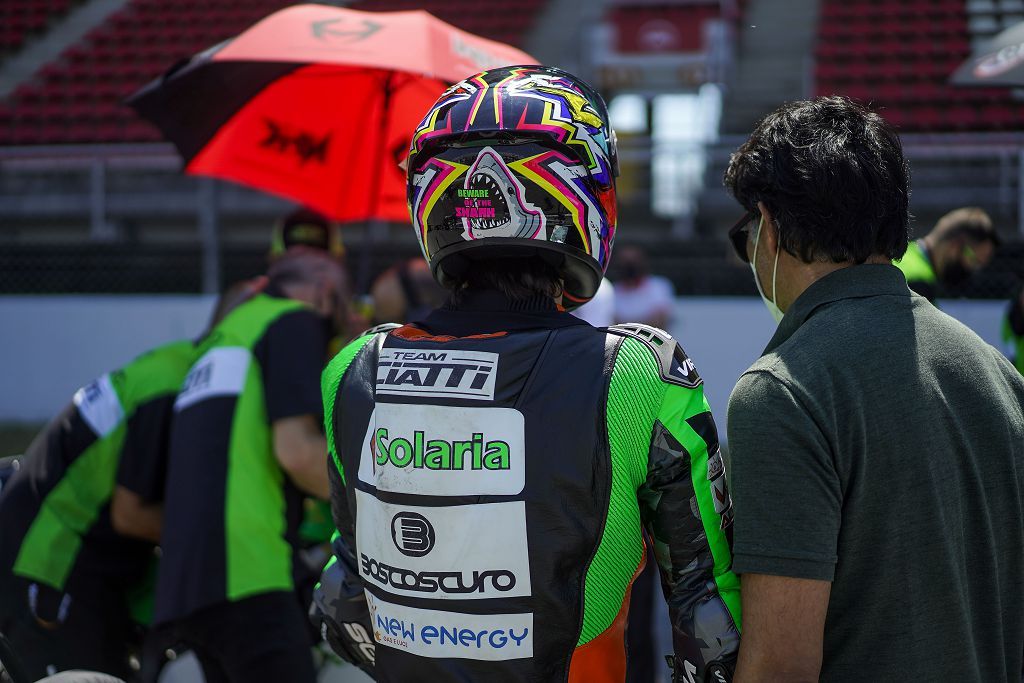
pixel 995 64
pixel 306 146
pixel 321 29
pixel 494 201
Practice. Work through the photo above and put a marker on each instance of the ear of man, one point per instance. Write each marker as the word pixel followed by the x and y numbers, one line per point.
pixel 769 229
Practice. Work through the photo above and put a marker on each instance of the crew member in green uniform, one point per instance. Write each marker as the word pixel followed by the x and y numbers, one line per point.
pixel 308 228
pixel 961 243
pixel 79 522
pixel 69 556
pixel 1013 329
pixel 245 445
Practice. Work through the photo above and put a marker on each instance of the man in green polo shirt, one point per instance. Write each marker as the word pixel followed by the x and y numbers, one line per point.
pixel 246 445
pixel 878 444
pixel 961 243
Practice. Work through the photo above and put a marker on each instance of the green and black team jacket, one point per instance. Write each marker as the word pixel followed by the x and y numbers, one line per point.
pixel 495 467
pixel 916 265
pixel 1013 330
pixel 231 515
pixel 55 514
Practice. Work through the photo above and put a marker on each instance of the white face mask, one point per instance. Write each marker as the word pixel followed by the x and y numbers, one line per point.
pixel 773 308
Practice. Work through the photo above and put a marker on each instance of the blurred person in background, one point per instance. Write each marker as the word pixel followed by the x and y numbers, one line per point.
pixel 1013 328
pixel 877 446
pixel 406 291
pixel 305 227
pixel 649 299
pixel 961 243
pixel 81 518
pixel 599 311
pixel 639 296
pixel 300 229
pixel 512 559
pixel 245 447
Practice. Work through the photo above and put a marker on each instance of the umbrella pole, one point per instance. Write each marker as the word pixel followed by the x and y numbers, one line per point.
pixel 208 235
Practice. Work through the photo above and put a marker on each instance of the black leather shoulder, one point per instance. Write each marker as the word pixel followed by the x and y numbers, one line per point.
pixel 383 327
pixel 673 363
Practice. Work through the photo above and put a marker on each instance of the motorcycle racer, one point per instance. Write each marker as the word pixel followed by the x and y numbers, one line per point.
pixel 496 466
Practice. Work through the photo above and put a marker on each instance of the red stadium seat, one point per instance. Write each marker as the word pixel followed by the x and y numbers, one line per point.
pixel 899 56
pixel 79 94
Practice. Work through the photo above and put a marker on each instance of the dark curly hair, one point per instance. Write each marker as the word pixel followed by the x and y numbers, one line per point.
pixel 833 175
pixel 516 278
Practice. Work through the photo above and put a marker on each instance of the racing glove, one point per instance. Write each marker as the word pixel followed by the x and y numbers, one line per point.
pixel 339 611
pixel 716 672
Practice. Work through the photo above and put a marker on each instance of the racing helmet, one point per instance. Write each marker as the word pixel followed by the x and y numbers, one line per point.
pixel 516 162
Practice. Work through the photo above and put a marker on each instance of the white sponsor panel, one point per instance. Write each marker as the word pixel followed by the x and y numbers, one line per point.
pixel 434 633
pixel 444 450
pixel 220 372
pixel 457 552
pixel 99 406
pixel 444 374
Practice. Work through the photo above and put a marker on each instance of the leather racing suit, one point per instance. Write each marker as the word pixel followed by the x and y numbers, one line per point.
pixel 493 471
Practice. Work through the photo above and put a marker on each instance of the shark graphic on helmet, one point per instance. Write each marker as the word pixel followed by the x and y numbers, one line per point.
pixel 509 214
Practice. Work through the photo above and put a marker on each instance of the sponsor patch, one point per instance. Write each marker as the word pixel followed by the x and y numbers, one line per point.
pixel 220 372
pixel 444 450
pixel 434 633
pixel 457 552
pixel 412 534
pixel 99 406
pixel 440 374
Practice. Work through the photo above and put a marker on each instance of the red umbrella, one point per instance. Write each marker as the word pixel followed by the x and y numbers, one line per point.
pixel 316 103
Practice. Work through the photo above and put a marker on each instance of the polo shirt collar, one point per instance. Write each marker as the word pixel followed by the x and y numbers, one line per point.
pixel 853 282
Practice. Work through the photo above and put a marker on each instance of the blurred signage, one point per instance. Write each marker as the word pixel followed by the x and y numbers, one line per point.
pixel 653 76
pixel 658 35
pixel 661 30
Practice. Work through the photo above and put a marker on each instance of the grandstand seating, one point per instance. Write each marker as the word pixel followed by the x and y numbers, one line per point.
pixel 987 17
pixel 20 19
pixel 898 56
pixel 491 20
pixel 78 98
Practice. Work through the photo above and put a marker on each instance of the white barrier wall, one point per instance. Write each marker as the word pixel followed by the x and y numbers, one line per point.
pixel 724 336
pixel 51 345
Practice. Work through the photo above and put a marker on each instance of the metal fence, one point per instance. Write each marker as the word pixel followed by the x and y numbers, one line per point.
pixel 123 218
pixel 947 171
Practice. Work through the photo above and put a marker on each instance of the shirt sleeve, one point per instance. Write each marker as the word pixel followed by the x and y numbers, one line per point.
pixel 292 354
pixel 143 465
pixel 786 491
